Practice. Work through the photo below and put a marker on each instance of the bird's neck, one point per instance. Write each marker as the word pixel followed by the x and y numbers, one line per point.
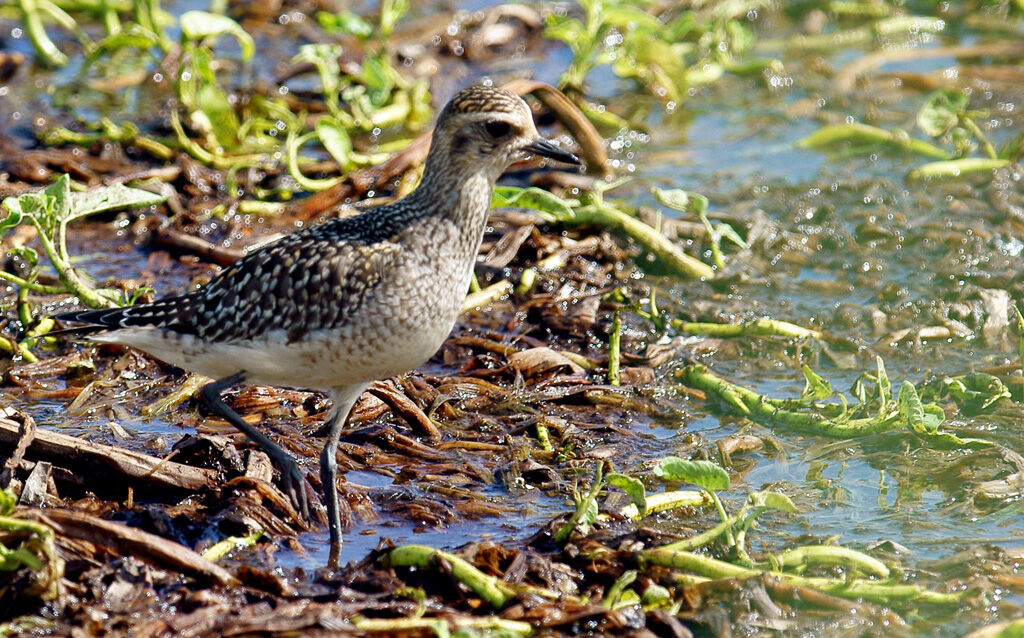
pixel 464 197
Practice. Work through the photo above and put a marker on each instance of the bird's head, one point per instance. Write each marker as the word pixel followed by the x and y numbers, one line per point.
pixel 487 127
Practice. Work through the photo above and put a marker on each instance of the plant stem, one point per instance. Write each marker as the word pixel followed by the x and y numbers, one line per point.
pixel 986 145
pixel 614 348
pixel 607 216
pixel 883 593
pixel 47 51
pixel 493 590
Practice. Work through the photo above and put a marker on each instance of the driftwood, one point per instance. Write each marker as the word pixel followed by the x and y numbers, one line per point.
pixel 68 450
pixel 128 541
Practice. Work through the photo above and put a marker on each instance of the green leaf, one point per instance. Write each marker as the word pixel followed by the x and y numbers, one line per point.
pixel 345 22
pixel 59 208
pixel 728 232
pixel 633 487
pixel 391 11
pixel 107 198
pixel 26 253
pixel 554 208
pixel 7 502
pixel 884 388
pixel 976 392
pixel 14 215
pixel 565 29
pixel 378 80
pixel 941 111
pixel 680 200
pixel 911 410
pixel 815 388
pixel 706 474
pixel 586 508
pixel 199 25
pixel 624 17
pixel 134 36
pixel 772 500
pixel 656 596
pixel 215 105
pixel 949 441
pixel 336 140
pixel 325 58
pixel 741 37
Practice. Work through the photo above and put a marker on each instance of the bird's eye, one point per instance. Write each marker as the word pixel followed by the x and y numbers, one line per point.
pixel 497 129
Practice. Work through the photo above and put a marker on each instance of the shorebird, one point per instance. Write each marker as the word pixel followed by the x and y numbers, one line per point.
pixel 336 306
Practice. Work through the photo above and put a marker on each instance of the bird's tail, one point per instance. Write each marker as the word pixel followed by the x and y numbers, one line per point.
pixel 172 312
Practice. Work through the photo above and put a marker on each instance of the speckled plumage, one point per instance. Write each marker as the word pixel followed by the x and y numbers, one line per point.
pixel 336 306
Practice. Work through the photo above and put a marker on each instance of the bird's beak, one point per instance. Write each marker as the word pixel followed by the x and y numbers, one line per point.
pixel 544 148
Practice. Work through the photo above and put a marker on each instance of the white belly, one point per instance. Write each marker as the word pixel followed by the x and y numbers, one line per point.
pixel 322 360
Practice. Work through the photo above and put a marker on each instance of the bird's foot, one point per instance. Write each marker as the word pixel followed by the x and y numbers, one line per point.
pixel 293 483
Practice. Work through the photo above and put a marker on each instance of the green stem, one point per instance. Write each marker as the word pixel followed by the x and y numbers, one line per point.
pixel 664 501
pixel 614 349
pixel 1020 343
pixel 722 514
pixel 110 19
pixel 986 145
pixel 493 590
pixel 828 555
pixel 956 168
pixel 68 275
pixel 883 593
pixel 703 538
pixel 716 249
pixel 770 412
pixel 308 183
pixel 24 310
pixel 583 507
pixel 762 327
pixel 47 51
pixel 604 215
pixel 827 137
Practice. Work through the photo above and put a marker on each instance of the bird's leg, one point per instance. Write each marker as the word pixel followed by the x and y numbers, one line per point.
pixel 292 481
pixel 344 399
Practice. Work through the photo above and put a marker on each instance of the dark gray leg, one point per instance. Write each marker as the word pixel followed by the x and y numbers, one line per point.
pixel 344 399
pixel 292 482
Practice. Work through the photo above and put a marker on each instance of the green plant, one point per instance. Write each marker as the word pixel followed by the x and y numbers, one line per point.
pixel 663 49
pixel 49 212
pixel 593 209
pixel 821 411
pixel 945 117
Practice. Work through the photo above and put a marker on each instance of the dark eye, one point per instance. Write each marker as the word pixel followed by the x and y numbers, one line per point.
pixel 497 129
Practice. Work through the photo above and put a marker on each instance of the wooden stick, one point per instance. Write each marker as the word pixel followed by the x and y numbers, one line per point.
pixel 128 541
pixel 63 449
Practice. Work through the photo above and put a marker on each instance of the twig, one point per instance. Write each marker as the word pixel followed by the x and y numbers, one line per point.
pixel 128 541
pixel 66 449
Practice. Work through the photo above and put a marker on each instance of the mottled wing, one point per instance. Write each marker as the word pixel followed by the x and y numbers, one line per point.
pixel 297 286
pixel 316 279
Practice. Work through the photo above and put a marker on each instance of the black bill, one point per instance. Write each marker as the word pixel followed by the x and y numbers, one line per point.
pixel 545 148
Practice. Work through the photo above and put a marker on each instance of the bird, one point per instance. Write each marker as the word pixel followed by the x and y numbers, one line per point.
pixel 336 306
